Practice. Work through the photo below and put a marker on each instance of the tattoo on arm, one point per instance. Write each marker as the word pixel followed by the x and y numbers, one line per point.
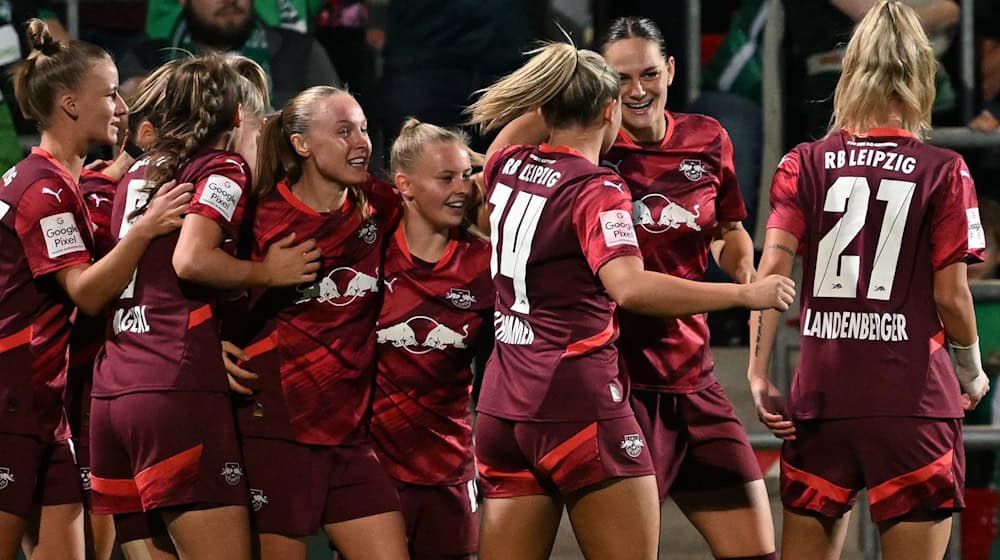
pixel 784 248
pixel 760 328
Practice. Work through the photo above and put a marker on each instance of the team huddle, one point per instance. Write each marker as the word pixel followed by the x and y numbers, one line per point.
pixel 240 337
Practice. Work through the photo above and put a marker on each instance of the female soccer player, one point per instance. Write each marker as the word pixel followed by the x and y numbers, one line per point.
pixel 162 433
pixel 438 297
pixel 71 90
pixel 885 224
pixel 686 203
pixel 555 427
pixel 304 431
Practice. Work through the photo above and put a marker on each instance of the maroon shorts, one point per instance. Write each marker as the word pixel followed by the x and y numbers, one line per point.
pixel 695 439
pixel 33 473
pixel 441 521
pixel 912 467
pixel 295 489
pixel 528 458
pixel 164 449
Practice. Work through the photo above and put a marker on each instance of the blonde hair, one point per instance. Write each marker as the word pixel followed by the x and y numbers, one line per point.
pixel 888 59
pixel 254 87
pixel 570 85
pixel 277 159
pixel 415 136
pixel 50 68
pixel 143 102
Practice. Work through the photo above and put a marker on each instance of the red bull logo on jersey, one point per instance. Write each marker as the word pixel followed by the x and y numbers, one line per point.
pixel 437 337
pixel 693 169
pixel 6 477
pixel 656 213
pixel 368 232
pixel 462 299
pixel 342 286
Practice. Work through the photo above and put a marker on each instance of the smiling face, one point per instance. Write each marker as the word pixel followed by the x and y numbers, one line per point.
pixel 645 76
pixel 97 104
pixel 336 142
pixel 438 184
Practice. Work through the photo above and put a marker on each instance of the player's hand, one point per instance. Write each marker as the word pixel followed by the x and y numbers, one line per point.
pixel 975 391
pixel 290 265
pixel 770 406
pixel 773 292
pixel 235 373
pixel 165 212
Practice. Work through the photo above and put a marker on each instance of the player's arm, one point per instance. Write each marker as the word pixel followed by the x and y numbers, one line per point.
pixel 199 257
pixel 778 258
pixel 92 286
pixel 732 249
pixel 652 293
pixel 936 15
pixel 955 308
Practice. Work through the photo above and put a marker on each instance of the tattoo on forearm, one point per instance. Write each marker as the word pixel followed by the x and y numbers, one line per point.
pixel 760 328
pixel 784 248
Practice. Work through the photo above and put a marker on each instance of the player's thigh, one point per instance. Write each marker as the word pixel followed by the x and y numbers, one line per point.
pixel 221 533
pixel 734 520
pixel 99 533
pixel 615 511
pixel 59 534
pixel 376 537
pixel 915 540
pixel 522 527
pixel 11 531
pixel 806 536
pixel 271 546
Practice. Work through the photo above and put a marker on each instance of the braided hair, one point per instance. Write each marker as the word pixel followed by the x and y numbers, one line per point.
pixel 199 105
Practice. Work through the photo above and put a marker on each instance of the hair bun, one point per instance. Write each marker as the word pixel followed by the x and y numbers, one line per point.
pixel 41 38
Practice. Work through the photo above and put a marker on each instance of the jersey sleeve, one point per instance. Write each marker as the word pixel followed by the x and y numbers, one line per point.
pixel 729 204
pixel 50 223
pixel 957 232
pixel 98 195
pixel 222 194
pixel 602 217
pixel 786 212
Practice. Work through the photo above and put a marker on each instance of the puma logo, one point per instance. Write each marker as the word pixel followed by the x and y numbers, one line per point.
pixel 57 194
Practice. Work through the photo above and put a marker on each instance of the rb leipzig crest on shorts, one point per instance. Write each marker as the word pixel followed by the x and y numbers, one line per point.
pixel 258 499
pixel 632 445
pixel 232 473
pixel 6 477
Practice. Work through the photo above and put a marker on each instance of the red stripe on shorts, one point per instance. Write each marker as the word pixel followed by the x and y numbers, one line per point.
pixel 919 476
pixel 199 316
pixel 263 345
pixel 115 495
pixel 20 338
pixel 177 471
pixel 821 488
pixel 493 472
pixel 591 342
pixel 572 447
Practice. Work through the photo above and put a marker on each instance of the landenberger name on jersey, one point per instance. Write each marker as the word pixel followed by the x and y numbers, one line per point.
pixel 882 327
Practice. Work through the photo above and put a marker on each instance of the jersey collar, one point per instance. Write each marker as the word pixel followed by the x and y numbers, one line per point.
pixel 38 151
pixel 625 138
pixel 404 248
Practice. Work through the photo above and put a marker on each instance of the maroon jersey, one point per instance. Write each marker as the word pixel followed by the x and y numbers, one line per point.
pixel 164 332
pixel 875 216
pixel 44 228
pixel 314 344
pixel 88 332
pixel 682 188
pixel 556 219
pixel 427 332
